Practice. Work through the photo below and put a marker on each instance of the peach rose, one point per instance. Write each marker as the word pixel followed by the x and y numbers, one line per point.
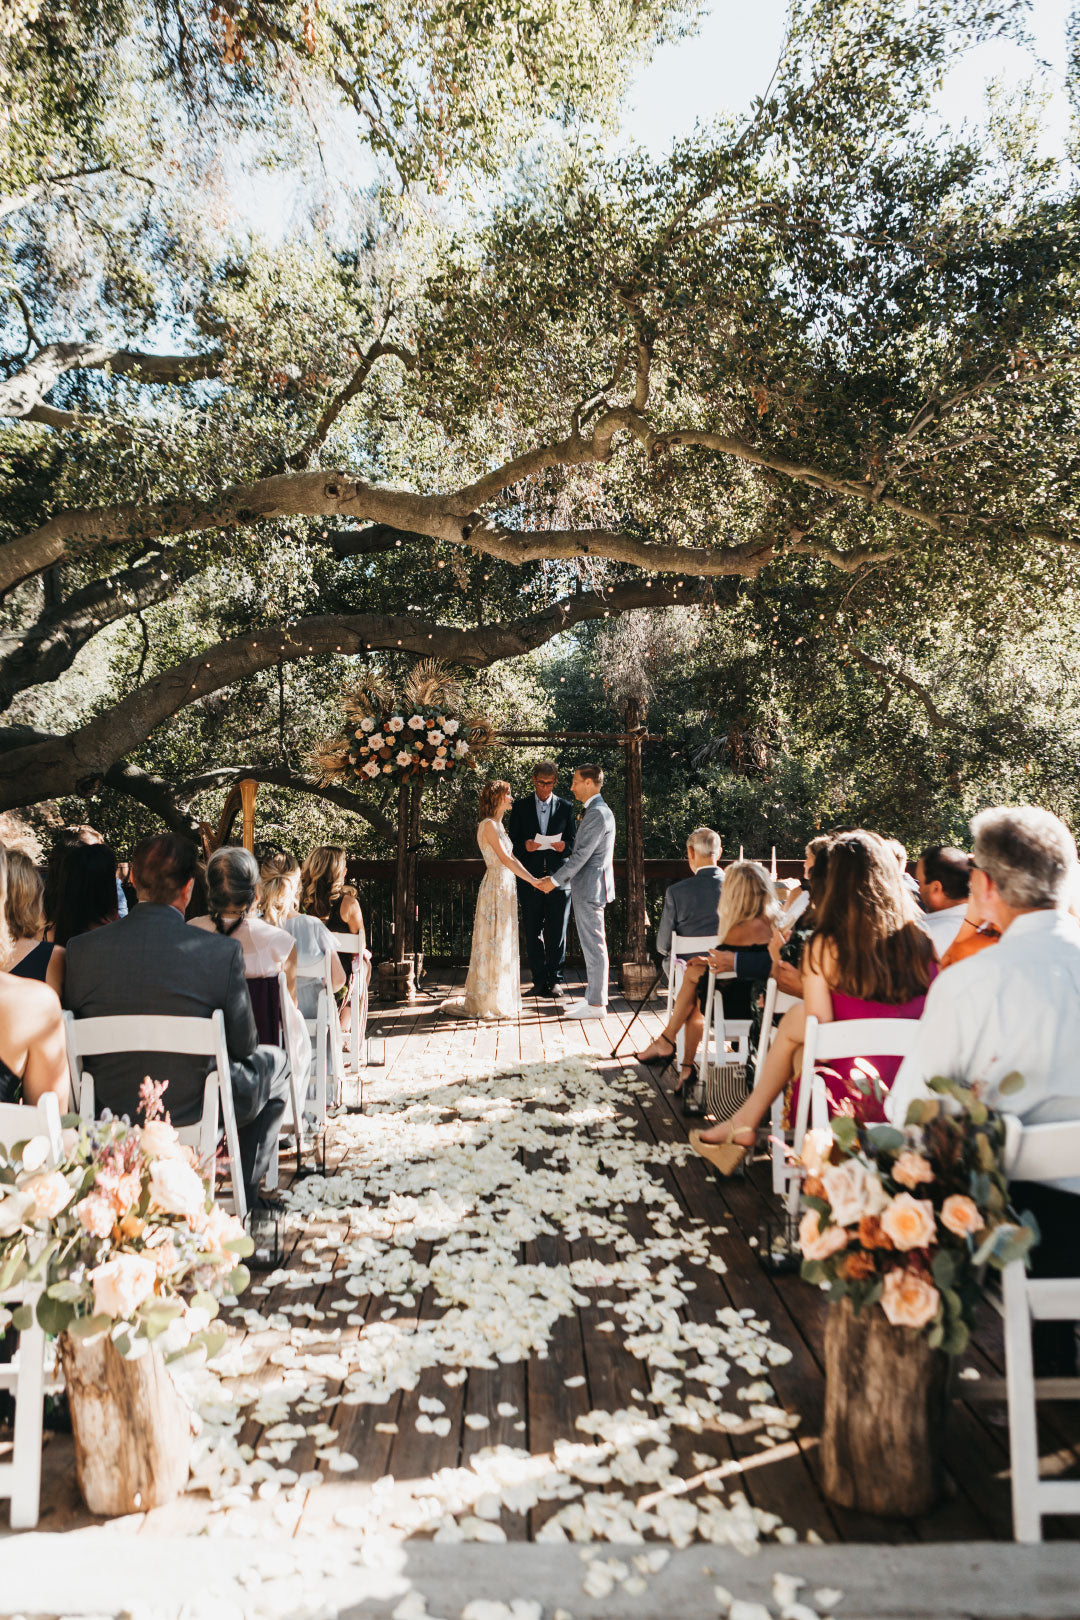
pixel 176 1188
pixel 221 1228
pixel 852 1191
pixel 96 1215
pixel 910 1169
pixel 127 1191
pixel 121 1285
pixel 909 1299
pixel 132 1225
pixel 50 1193
pixel 909 1222
pixel 817 1244
pixel 160 1141
pixel 960 1215
pixel 816 1148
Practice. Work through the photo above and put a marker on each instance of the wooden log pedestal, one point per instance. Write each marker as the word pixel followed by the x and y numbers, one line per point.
pixel 131 1425
pixel 636 979
pixel 885 1405
pixel 398 981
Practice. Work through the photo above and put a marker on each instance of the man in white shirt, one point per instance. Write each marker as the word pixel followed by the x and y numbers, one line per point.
pixel 1016 1009
pixel 943 877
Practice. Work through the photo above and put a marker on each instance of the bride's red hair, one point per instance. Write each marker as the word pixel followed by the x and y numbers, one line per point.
pixel 490 794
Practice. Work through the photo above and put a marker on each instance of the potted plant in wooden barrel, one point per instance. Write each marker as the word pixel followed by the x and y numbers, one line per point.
pixel 131 1255
pixel 899 1226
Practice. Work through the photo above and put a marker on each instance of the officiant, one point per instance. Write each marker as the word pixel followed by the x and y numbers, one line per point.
pixel 541 828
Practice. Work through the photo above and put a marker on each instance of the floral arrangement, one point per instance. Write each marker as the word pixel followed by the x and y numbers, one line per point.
pixel 906 1218
pixel 123 1234
pixel 418 732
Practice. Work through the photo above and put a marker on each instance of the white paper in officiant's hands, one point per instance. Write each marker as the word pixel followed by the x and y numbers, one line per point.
pixel 546 840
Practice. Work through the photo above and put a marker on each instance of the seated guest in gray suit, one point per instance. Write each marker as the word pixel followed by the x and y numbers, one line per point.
pixel 692 907
pixel 152 962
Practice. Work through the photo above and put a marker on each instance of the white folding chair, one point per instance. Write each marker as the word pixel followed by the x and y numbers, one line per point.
pixel 719 1030
pixel 299 1070
pixel 681 947
pixel 777 1002
pixel 326 1039
pixel 1038 1153
pixel 831 1043
pixel 165 1032
pixel 358 1001
pixel 24 1375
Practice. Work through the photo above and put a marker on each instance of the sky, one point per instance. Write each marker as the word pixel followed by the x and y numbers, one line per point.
pixel 721 68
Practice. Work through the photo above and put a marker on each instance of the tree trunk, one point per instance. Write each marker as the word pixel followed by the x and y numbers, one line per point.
pixel 885 1404
pixel 132 1427
pixel 410 870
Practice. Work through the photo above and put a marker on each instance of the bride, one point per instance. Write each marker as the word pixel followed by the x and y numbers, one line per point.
pixel 493 986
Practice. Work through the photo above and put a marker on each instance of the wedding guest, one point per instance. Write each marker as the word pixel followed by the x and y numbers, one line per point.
pixel 787 946
pixel 153 962
pixel 1016 1009
pixel 232 880
pixel 745 925
pixel 32 956
pixel 33 1052
pixel 899 851
pixel 868 958
pixel 542 814
pixel 279 900
pixel 942 874
pixel 692 906
pixel 976 932
pixel 87 892
pixel 325 895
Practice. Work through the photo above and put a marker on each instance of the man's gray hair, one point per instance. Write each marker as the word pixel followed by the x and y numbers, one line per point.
pixel 705 843
pixel 1029 853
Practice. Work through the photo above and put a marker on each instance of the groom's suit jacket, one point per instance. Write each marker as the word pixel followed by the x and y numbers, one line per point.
pixel 589 874
pixel 523 823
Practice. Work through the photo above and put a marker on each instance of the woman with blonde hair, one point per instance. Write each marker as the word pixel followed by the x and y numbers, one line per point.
pixel 493 985
pixel 33 1051
pixel 867 958
pixel 31 955
pixel 748 912
pixel 279 899
pixel 325 894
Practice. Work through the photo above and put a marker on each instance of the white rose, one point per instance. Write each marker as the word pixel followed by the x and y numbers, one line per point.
pixel 35 1153
pixel 14 1210
pixel 416 722
pixel 378 741
pixel 121 1285
pixel 451 726
pixel 395 724
pixel 50 1193
pixel 403 758
pixel 160 1141
pixel 371 768
pixel 460 750
pixel 176 1188
pixel 438 764
pixel 853 1191
pixel 367 725
pixel 436 737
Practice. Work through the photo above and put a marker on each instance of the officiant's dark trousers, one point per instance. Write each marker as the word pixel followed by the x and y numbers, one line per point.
pixel 544 918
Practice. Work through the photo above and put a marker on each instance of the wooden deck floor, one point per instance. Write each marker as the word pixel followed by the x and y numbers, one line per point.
pixel 529 1403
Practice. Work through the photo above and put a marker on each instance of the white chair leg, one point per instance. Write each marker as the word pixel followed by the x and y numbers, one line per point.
pixel 29 1407
pixel 1020 1388
pixel 776 1132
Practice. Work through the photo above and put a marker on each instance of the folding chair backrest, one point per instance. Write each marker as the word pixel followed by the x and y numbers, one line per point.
pixel 849 1038
pixel 358 1005
pixel 19 1122
pixel 169 1033
pixel 683 945
pixel 1044 1152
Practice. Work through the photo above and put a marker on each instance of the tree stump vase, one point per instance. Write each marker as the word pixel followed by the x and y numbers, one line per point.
pixel 131 1425
pixel 399 981
pixel 637 979
pixel 885 1405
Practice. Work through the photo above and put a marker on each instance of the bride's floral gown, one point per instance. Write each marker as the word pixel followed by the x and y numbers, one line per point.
pixel 493 987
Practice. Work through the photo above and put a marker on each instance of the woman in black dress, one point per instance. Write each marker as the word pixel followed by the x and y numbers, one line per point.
pixel 33 1053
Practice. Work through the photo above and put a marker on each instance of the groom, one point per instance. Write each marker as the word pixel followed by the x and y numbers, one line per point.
pixel 590 876
pixel 544 916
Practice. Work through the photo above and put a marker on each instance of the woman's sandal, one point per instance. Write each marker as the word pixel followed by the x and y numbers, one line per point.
pixel 657 1057
pixel 725 1157
pixel 687 1078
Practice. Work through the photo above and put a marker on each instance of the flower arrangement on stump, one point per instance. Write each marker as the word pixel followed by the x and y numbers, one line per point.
pixel 420 732
pixel 898 1225
pixel 123 1255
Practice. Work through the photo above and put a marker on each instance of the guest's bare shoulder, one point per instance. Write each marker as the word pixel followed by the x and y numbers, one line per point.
pixel 27 1006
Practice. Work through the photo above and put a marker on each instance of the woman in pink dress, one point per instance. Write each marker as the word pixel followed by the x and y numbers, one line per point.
pixel 868 958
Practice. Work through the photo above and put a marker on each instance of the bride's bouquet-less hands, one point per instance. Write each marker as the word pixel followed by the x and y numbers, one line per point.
pixel 123 1236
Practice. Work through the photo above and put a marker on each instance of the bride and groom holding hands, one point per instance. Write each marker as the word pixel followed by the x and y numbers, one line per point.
pixel 550 862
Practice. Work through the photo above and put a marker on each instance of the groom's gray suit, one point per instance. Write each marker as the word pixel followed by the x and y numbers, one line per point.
pixel 589 874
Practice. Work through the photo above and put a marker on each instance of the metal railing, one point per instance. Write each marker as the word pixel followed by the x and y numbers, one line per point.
pixel 446 895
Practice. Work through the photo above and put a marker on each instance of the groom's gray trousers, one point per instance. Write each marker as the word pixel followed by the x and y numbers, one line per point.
pixel 589 922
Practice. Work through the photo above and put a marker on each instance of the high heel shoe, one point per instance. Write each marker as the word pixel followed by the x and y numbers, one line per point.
pixel 663 1058
pixel 725 1157
pixel 691 1091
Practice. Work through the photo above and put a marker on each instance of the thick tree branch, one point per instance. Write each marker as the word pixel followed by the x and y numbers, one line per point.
pixel 43 650
pixel 28 387
pixel 896 677
pixel 152 791
pixel 80 761
pixel 354 386
pixel 281 776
